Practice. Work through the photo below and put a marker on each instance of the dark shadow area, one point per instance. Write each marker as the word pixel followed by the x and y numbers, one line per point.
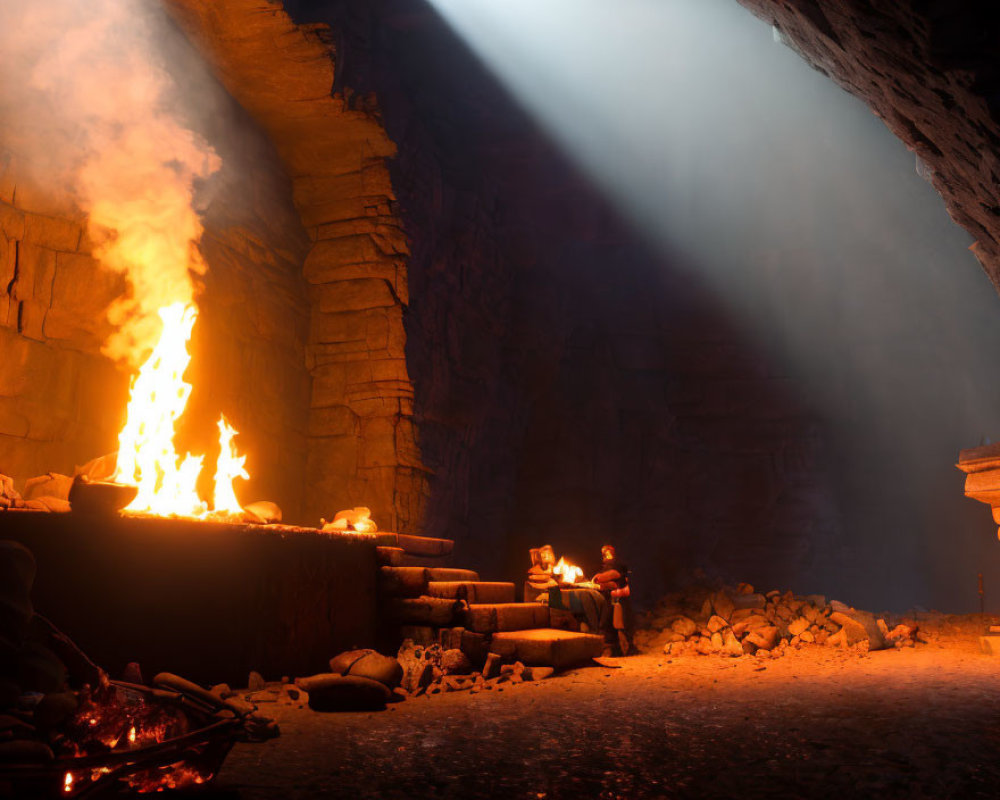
pixel 790 418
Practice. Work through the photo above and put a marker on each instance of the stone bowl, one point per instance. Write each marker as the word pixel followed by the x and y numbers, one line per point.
pixel 100 497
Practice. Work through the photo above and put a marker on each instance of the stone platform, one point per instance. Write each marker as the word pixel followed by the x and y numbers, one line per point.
pixel 206 600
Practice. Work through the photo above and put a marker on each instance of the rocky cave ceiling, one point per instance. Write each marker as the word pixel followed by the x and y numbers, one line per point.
pixel 929 70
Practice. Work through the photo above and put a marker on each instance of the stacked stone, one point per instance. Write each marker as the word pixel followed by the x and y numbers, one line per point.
pixel 61 400
pixel 736 622
pixel 54 385
pixel 361 439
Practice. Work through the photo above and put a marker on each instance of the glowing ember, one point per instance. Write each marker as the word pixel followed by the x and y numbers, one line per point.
pixel 357 519
pixel 567 573
pixel 68 782
pixel 146 454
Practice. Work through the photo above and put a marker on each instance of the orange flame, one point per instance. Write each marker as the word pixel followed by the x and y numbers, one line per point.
pixel 229 467
pixel 567 572
pixel 146 454
pixel 159 394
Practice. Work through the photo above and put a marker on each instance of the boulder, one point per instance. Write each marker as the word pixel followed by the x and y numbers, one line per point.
pixel 716 623
pixel 797 626
pixel 731 645
pixel 722 604
pixel 705 646
pixel 684 626
pixel 377 667
pixel 51 484
pixel 455 662
pixel 764 637
pixel 750 600
pixel 342 663
pixel 858 626
pixel 262 512
pixel 331 692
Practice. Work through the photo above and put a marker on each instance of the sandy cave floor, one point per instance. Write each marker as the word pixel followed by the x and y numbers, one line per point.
pixel 820 722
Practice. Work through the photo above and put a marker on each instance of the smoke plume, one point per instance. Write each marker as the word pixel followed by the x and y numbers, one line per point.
pixel 88 106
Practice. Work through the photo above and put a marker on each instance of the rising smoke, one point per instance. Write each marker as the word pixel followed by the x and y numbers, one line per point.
pixel 89 108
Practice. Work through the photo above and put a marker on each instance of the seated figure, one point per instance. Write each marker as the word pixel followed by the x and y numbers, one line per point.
pixel 540 577
pixel 613 582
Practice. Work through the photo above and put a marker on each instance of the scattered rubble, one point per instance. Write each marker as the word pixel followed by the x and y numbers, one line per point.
pixel 364 680
pixel 739 621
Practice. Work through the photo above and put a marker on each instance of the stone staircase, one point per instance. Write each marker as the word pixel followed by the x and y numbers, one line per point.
pixel 423 598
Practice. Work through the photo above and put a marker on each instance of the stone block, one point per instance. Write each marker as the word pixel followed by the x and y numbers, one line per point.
pixel 435 611
pixel 54 233
pixel 378 437
pixel 36 268
pixel 389 556
pixel 859 625
pixel 445 574
pixel 332 421
pixel 313 190
pixel 328 255
pixel 494 617
pixel 473 591
pixel 81 293
pixel 354 295
pixel 11 222
pixel 547 647
pixel 403 581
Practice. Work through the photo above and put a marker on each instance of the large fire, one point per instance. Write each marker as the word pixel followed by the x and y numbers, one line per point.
pixel 147 457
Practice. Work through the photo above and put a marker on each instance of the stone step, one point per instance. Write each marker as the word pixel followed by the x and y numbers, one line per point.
pixel 416 545
pixel 413 581
pixel 547 647
pixel 437 612
pixel 402 581
pixel 450 574
pixel 494 617
pixel 390 556
pixel 425 561
pixel 473 591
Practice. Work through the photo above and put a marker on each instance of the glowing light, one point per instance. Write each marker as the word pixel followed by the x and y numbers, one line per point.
pixel 357 519
pixel 159 394
pixel 567 572
pixel 147 457
pixel 229 467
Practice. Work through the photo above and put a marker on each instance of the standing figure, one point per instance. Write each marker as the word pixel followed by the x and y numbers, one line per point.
pixel 613 582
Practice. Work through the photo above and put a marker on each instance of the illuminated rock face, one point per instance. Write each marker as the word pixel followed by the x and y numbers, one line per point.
pixel 929 70
pixel 61 402
pixel 361 441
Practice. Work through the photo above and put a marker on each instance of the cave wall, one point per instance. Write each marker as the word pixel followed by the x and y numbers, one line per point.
pixel 361 440
pixel 570 385
pixel 929 71
pixel 62 402
pixel 55 388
